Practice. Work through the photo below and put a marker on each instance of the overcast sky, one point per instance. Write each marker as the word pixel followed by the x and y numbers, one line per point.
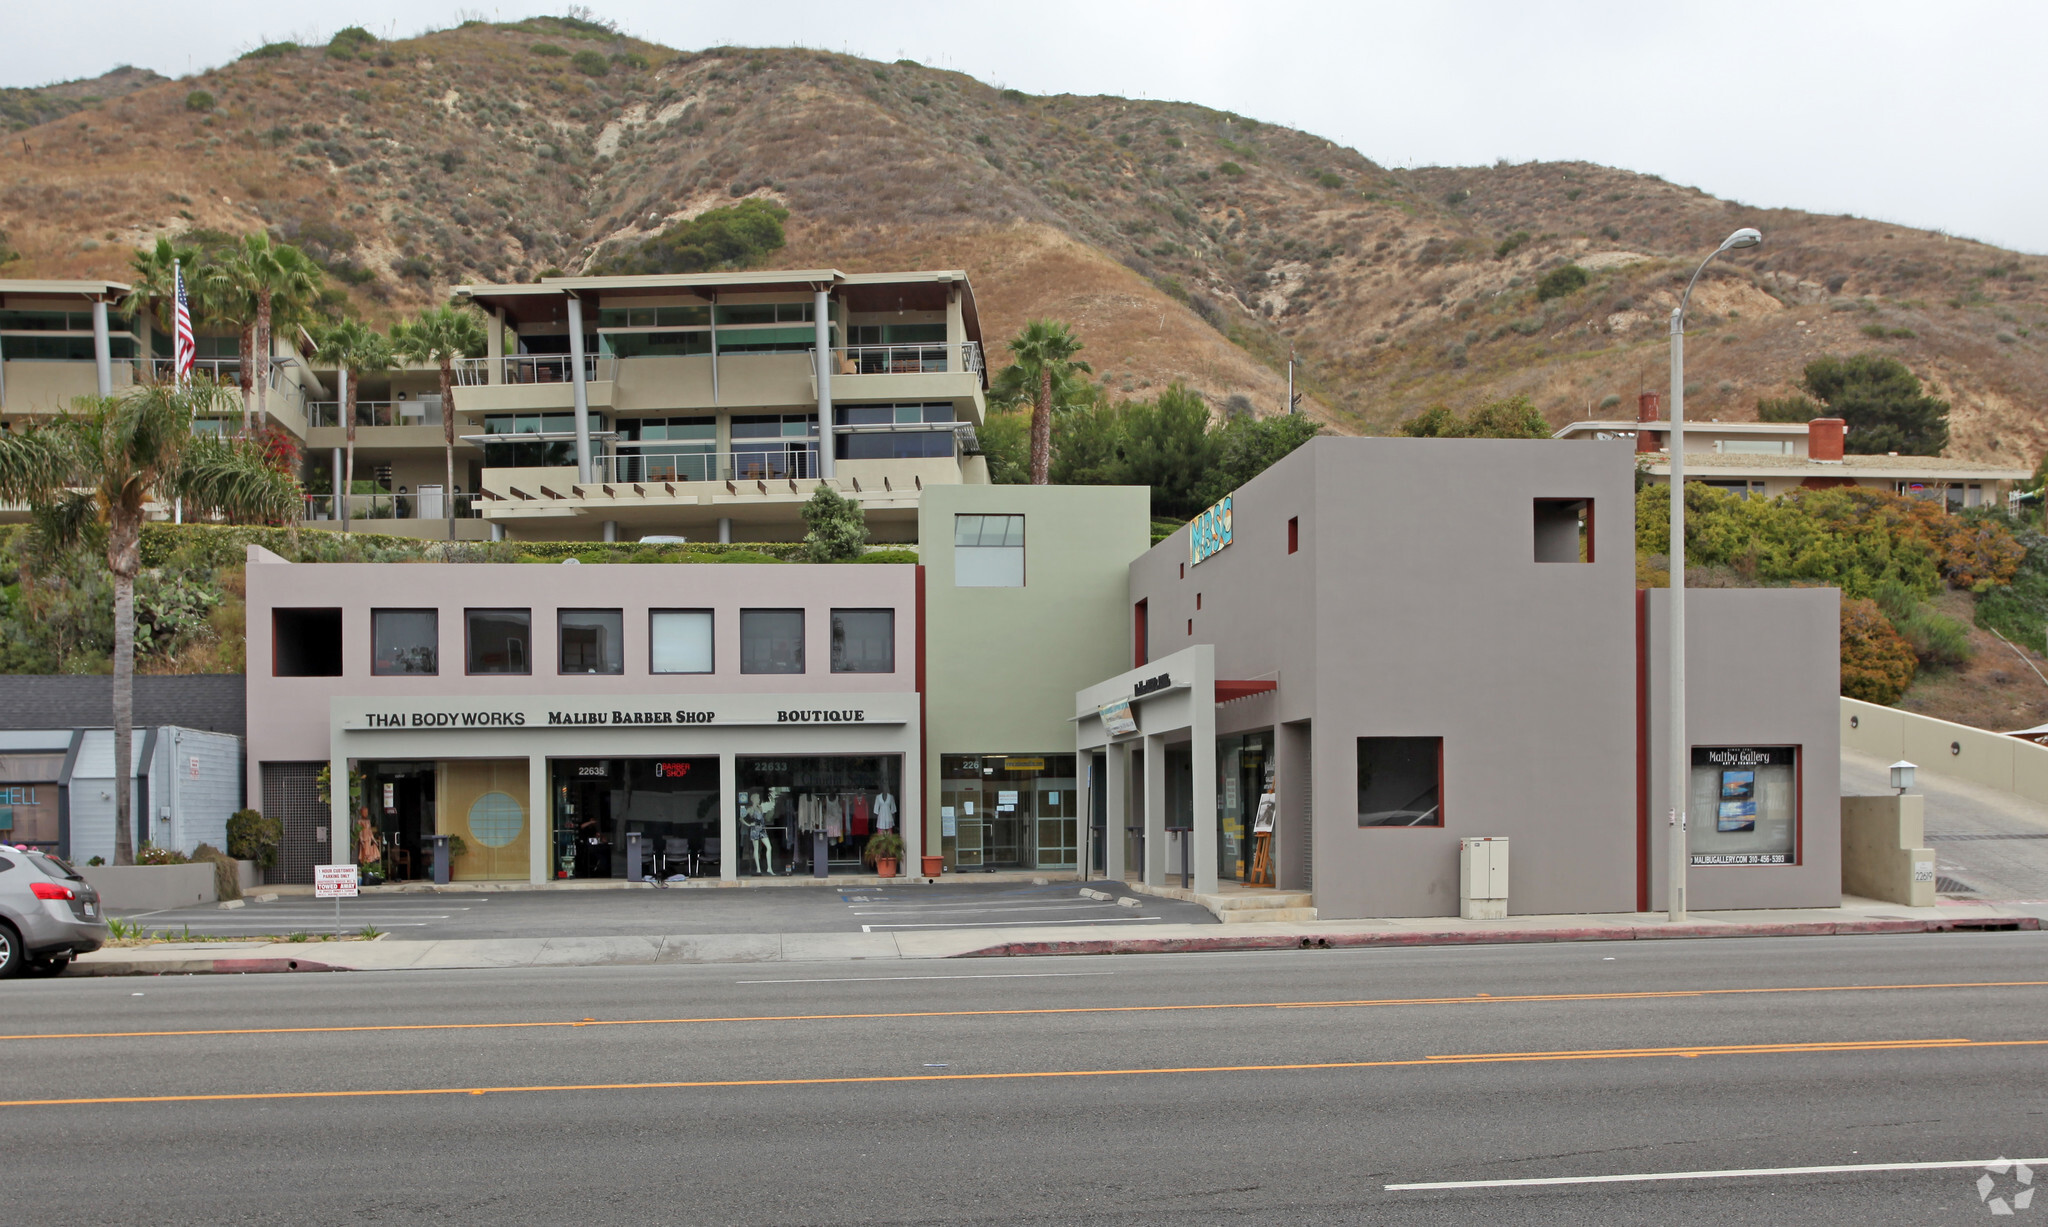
pixel 1926 114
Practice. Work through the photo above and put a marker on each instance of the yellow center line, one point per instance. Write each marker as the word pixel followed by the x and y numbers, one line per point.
pixel 1474 999
pixel 1945 1045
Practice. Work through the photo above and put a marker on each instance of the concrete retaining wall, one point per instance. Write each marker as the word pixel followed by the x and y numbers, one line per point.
pixel 1883 852
pixel 150 888
pixel 1991 759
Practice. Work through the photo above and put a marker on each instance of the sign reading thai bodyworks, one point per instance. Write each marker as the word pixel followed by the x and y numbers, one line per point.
pixel 1210 531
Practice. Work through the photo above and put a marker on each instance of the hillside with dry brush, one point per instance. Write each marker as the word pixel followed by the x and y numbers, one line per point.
pixel 1184 243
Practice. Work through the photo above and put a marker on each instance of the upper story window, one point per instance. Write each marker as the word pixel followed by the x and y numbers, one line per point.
pixel 988 551
pixel 405 642
pixel 863 641
pixel 679 641
pixel 592 641
pixel 764 313
pixel 654 317
pixel 499 640
pixel 771 641
pixel 893 432
pixel 533 440
pixel 305 642
pixel 39 336
pixel 897 334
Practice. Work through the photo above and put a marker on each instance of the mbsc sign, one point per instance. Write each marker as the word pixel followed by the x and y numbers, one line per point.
pixel 1211 530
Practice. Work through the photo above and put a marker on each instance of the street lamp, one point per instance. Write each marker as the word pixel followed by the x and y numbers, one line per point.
pixel 1676 850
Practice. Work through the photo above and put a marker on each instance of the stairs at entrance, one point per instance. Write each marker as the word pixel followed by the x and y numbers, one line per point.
pixel 1236 905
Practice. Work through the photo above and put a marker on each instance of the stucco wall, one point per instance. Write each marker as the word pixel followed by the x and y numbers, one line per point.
pixel 1762 669
pixel 1002 664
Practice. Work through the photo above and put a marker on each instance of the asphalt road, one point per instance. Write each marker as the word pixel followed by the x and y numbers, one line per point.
pixel 1188 1089
pixel 1989 845
pixel 908 907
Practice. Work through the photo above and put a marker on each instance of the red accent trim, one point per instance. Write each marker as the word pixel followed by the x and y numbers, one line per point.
pixel 1141 651
pixel 1799 805
pixel 1227 692
pixel 923 755
pixel 1642 749
pixel 1589 530
pixel 1294 534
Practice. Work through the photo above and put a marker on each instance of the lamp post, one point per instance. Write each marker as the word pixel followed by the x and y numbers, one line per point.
pixel 1676 850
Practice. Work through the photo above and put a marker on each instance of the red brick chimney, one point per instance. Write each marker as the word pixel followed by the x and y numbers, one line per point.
pixel 1824 438
pixel 1647 411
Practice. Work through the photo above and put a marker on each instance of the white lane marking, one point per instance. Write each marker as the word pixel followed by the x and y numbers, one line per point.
pixel 1006 975
pixel 1000 924
pixel 1831 1169
pixel 982 911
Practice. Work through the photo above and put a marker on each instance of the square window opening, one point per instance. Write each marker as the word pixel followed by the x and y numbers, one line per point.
pixel 305 642
pixel 863 641
pixel 988 551
pixel 1400 781
pixel 1564 529
pixel 405 642
pixel 679 641
pixel 592 641
pixel 498 640
pixel 771 641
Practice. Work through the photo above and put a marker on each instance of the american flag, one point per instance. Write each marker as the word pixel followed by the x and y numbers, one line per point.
pixel 184 349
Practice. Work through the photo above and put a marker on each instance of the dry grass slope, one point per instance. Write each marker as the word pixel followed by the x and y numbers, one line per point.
pixel 1185 243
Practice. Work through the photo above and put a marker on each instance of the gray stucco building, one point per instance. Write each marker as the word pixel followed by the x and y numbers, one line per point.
pixel 1392 644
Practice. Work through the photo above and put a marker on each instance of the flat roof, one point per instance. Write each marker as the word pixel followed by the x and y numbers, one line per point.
pixel 1891 467
pixel 1630 426
pixel 57 289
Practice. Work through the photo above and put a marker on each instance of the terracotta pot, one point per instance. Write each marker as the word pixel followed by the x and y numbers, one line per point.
pixel 885 866
pixel 934 866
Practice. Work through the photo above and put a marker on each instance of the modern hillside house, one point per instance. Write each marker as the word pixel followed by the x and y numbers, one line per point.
pixel 604 408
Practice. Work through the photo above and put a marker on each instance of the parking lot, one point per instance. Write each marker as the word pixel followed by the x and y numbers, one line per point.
pixel 909 907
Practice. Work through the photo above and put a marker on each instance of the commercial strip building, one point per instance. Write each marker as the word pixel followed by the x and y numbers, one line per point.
pixel 1767 459
pixel 706 406
pixel 1371 672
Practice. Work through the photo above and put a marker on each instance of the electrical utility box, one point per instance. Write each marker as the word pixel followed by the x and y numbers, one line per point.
pixel 1483 878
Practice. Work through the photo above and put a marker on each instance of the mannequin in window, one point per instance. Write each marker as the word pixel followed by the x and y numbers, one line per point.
pixel 755 820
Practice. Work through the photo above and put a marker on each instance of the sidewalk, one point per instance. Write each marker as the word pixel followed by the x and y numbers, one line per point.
pixel 1857 916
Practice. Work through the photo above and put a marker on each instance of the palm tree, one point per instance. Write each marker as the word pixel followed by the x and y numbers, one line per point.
pixel 351 347
pixel 222 297
pixel 153 288
pixel 281 281
pixel 95 467
pixel 441 335
pixel 1044 351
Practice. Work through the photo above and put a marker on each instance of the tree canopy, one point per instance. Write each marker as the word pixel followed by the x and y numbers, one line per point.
pixel 1882 402
pixel 735 236
pixel 1514 418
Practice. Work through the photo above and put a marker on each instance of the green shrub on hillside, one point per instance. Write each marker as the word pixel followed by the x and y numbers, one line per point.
pixel 1513 418
pixel 1509 244
pixel 549 50
pixel 590 63
pixel 271 51
pixel 735 236
pixel 199 100
pixel 1559 282
pixel 1230 168
pixel 351 42
pixel 1877 663
pixel 1787 409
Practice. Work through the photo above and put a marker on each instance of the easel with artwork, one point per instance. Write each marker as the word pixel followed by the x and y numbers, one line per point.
pixel 1262 843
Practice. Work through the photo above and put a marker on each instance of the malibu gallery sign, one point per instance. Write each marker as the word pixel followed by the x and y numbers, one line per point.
pixel 636 712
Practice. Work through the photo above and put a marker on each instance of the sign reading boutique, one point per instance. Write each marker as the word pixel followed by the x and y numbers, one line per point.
pixel 546 712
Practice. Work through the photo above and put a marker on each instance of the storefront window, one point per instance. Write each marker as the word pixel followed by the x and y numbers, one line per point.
pixel 592 641
pixel 1244 779
pixel 1013 811
pixel 863 641
pixel 671 803
pixel 771 641
pixel 498 639
pixel 791 808
pixel 679 641
pixel 1745 806
pixel 405 642
pixel 1399 781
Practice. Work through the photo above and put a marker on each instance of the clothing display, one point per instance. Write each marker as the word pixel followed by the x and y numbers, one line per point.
pixel 820 811
pixel 885 812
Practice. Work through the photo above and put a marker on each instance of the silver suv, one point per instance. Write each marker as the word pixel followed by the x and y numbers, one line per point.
pixel 47 914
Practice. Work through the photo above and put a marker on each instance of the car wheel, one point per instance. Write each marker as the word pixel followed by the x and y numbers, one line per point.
pixel 12 956
pixel 51 966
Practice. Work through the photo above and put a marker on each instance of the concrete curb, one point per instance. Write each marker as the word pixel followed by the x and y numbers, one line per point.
pixel 1605 933
pixel 194 967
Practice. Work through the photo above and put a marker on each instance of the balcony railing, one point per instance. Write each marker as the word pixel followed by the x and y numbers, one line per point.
pixel 933 358
pixel 425 504
pixel 425 411
pixel 780 463
pixel 533 368
pixel 223 370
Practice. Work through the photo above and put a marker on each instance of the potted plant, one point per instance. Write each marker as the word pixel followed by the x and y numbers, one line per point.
pixel 934 866
pixel 884 851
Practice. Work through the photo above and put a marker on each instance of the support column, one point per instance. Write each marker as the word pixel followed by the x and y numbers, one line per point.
pixel 338 819
pixel 540 812
pixel 821 310
pixel 713 297
pixel 340 508
pixel 956 332
pixel 1203 820
pixel 728 817
pixel 1116 771
pixel 102 349
pixel 494 347
pixel 1155 810
pixel 725 530
pixel 497 531
pixel 611 530
pixel 3 373
pixel 582 390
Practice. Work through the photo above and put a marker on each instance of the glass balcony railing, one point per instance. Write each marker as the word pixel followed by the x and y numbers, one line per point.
pixel 769 462
pixel 426 503
pixel 421 411
pixel 533 368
